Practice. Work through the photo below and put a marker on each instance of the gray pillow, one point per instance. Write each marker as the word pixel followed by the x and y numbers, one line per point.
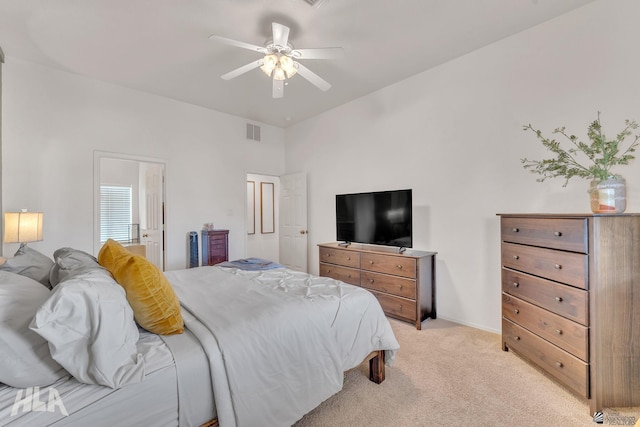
pixel 25 359
pixel 70 263
pixel 31 263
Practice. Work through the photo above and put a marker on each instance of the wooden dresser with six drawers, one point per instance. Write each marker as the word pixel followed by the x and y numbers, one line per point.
pixel 571 301
pixel 404 284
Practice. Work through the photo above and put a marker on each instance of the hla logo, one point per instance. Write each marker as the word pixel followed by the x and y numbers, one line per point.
pixel 32 402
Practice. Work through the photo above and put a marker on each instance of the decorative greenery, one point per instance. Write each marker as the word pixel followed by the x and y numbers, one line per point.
pixel 591 161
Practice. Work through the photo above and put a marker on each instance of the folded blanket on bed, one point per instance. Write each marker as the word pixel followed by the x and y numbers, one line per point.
pixel 251 264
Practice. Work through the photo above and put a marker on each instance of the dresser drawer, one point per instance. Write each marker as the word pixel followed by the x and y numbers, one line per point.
pixel 565 267
pixel 564 333
pixel 340 257
pixel 559 233
pixel 397 306
pixel 347 275
pixel 568 369
pixel 399 286
pixel 218 246
pixel 567 301
pixel 389 264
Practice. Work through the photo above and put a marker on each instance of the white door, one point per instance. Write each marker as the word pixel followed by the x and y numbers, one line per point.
pixel 293 221
pixel 151 211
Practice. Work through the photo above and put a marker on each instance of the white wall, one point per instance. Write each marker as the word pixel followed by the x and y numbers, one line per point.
pixel 454 135
pixel 53 121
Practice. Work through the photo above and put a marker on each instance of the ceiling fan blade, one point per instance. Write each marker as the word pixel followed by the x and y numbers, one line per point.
pixel 237 43
pixel 278 88
pixel 312 77
pixel 280 34
pixel 320 53
pixel 239 71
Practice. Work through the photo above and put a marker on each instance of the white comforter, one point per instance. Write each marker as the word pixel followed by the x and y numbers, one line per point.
pixel 278 340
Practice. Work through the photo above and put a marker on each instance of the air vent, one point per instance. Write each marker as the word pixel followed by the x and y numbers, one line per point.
pixel 253 132
pixel 316 3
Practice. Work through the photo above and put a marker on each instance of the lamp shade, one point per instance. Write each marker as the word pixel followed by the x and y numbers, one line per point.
pixel 23 227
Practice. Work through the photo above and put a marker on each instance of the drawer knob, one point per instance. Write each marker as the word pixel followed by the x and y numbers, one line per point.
pixel 515 230
pixel 516 257
pixel 517 338
pixel 559 331
pixel 399 267
pixel 516 311
pixel 557 233
pixel 371 262
pixel 516 284
pixel 371 281
pixel 349 276
pixel 558 267
pixel 559 364
pixel 348 258
pixel 559 299
pixel 400 287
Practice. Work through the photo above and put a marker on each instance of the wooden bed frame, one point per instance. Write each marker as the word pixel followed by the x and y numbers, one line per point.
pixel 376 374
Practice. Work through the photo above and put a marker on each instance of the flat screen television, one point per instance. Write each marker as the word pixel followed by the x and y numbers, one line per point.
pixel 377 218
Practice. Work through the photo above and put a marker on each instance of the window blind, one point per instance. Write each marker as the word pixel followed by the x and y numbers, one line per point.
pixel 115 213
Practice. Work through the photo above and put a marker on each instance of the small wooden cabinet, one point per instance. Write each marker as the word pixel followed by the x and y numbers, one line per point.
pixel 404 284
pixel 215 246
pixel 571 301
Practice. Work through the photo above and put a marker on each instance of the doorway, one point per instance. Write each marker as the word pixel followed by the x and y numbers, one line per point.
pixel 276 221
pixel 129 195
pixel 263 216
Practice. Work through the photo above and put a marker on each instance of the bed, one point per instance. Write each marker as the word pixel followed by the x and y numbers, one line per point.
pixel 242 346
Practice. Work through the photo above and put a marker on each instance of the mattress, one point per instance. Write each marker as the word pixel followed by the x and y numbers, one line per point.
pixel 176 390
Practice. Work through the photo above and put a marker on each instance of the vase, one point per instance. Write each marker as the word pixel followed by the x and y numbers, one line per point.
pixel 608 196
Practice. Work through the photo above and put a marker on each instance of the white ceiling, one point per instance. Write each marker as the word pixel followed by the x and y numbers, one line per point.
pixel 163 46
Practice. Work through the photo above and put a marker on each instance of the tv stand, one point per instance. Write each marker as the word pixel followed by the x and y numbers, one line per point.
pixel 403 283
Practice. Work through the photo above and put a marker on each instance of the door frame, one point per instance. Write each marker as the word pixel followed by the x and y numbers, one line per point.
pixel 97 157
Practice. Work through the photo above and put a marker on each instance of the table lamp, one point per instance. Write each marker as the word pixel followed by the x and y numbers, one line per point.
pixel 23 227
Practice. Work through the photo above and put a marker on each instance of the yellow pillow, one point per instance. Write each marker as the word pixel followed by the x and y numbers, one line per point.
pixel 155 305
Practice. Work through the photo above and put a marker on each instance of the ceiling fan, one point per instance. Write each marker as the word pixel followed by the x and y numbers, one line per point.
pixel 280 60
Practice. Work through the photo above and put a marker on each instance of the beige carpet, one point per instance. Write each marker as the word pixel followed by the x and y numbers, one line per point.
pixel 454 375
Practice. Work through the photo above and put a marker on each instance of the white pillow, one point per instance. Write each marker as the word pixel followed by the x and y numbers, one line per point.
pixel 25 360
pixel 91 332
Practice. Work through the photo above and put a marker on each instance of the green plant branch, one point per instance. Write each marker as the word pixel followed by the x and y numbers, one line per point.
pixel 602 154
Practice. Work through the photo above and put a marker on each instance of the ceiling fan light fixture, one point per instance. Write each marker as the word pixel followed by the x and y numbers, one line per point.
pixel 278 74
pixel 269 63
pixel 279 59
pixel 286 63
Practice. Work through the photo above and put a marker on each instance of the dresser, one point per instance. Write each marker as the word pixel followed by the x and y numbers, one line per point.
pixel 215 246
pixel 404 284
pixel 571 301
